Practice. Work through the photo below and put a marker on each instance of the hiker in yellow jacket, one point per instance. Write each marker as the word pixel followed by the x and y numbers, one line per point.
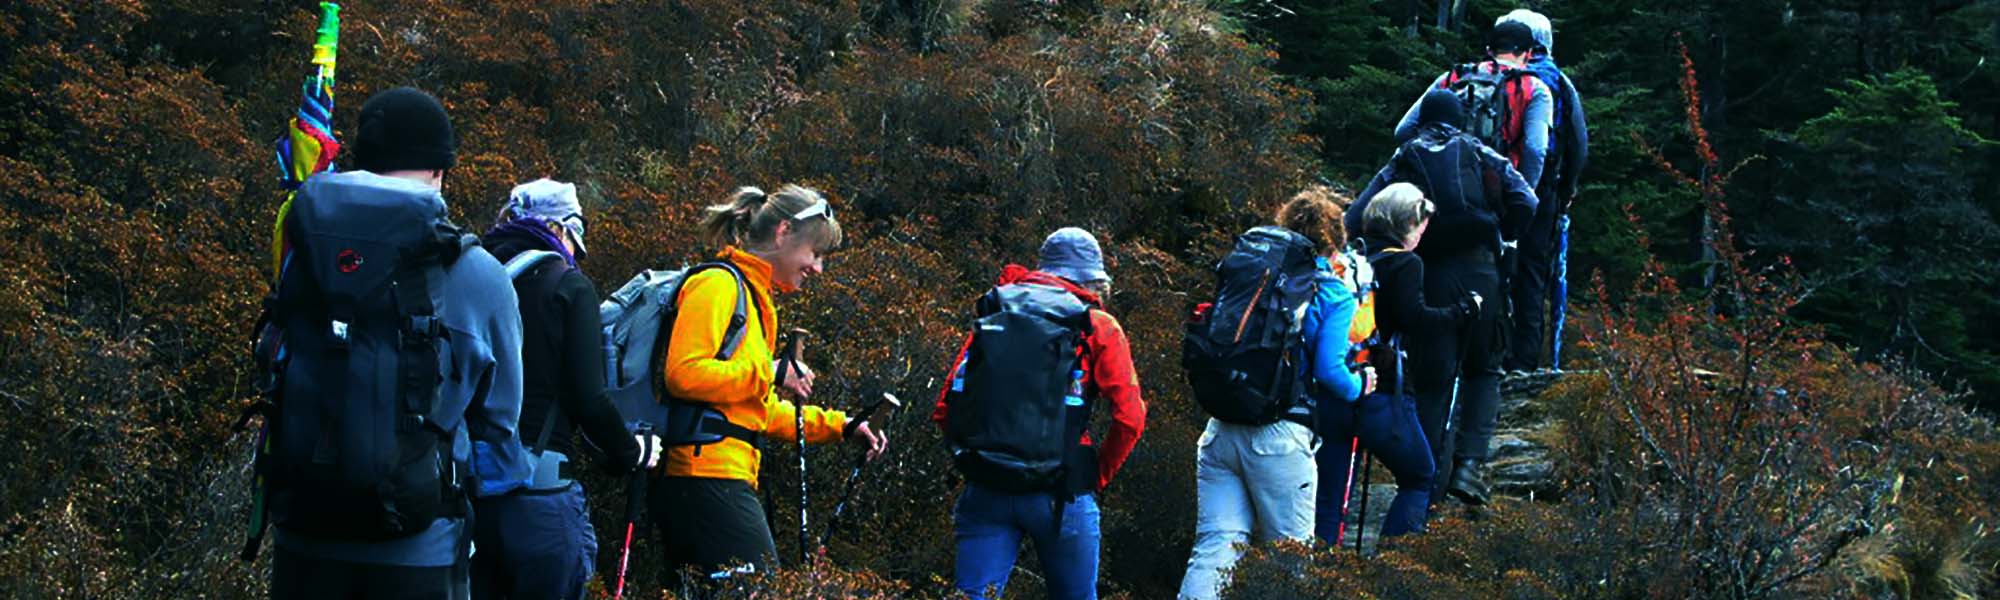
pixel 706 501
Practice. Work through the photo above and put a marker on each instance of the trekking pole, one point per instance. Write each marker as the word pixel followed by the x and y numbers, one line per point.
pixel 1559 297
pixel 879 421
pixel 1347 493
pixel 1449 444
pixel 1361 526
pixel 635 502
pixel 794 348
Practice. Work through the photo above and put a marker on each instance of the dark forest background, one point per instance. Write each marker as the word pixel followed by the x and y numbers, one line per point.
pixel 1784 255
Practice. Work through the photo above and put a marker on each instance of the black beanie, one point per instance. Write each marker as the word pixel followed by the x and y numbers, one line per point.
pixel 1441 106
pixel 1511 37
pixel 404 129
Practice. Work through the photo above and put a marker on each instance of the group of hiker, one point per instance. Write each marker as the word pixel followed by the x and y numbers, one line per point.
pixel 424 387
pixel 1424 290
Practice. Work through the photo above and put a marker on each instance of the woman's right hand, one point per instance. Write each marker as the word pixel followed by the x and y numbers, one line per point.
pixel 1367 379
pixel 866 437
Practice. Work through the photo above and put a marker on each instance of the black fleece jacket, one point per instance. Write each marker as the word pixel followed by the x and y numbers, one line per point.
pixel 562 349
pixel 1400 305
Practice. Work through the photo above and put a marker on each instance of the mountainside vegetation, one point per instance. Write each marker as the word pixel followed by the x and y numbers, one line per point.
pixel 1786 346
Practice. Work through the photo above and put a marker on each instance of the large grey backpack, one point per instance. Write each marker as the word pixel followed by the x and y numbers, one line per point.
pixel 637 320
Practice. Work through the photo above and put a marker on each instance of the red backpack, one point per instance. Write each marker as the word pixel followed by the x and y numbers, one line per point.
pixel 1495 97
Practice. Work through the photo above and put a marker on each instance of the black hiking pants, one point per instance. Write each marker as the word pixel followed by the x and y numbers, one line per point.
pixel 1534 269
pixel 711 526
pixel 1435 363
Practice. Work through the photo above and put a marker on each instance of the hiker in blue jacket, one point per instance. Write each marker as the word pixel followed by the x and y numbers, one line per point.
pixel 404 145
pixel 1568 151
pixel 1259 481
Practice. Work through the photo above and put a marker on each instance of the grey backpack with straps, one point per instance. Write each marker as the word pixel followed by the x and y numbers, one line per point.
pixel 638 319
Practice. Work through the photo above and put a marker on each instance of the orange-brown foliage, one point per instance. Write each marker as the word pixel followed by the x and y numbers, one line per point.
pixel 137 186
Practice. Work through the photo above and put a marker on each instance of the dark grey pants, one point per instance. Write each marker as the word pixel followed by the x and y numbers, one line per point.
pixel 709 525
pixel 1435 363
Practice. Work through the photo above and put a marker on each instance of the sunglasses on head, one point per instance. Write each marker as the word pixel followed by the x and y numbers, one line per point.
pixel 818 209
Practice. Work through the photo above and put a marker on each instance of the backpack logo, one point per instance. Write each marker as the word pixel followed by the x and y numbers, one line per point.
pixel 348 261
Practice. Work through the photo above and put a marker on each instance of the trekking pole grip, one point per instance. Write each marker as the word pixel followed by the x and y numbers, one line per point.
pixel 791 351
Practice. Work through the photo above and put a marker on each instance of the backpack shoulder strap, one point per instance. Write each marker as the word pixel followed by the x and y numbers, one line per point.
pixel 519 265
pixel 1379 254
pixel 450 242
pixel 732 336
pixel 420 327
pixel 525 261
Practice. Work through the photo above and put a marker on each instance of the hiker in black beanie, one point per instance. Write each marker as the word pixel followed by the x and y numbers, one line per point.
pixel 404 129
pixel 379 280
pixel 1441 106
pixel 1483 205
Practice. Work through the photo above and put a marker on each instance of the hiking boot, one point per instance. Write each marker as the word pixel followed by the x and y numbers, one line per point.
pixel 1466 483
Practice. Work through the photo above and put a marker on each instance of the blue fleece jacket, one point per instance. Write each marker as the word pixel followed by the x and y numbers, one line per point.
pixel 481 395
pixel 1325 327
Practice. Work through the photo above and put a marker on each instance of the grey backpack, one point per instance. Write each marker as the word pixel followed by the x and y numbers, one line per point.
pixel 637 320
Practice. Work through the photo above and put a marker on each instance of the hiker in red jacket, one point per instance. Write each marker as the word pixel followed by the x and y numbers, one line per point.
pixel 1015 412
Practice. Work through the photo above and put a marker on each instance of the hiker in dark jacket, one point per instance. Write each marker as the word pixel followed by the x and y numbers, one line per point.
pixel 537 542
pixel 1483 205
pixel 1569 150
pixel 991 522
pixel 404 145
pixel 1386 421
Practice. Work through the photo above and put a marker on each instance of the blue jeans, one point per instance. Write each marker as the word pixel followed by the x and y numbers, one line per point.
pixel 1389 430
pixel 990 525
pixel 533 545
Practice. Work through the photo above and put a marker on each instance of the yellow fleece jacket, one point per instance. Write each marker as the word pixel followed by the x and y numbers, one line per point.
pixel 741 387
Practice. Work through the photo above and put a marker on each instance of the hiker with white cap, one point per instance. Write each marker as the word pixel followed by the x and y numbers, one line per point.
pixel 537 541
pixel 1536 271
pixel 1505 108
pixel 1015 412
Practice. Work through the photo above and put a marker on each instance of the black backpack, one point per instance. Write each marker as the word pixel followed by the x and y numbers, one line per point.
pixel 353 346
pixel 1017 409
pixel 1237 350
pixel 1445 164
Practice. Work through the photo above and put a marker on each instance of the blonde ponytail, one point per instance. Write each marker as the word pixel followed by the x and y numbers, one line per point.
pixel 728 223
pixel 750 219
